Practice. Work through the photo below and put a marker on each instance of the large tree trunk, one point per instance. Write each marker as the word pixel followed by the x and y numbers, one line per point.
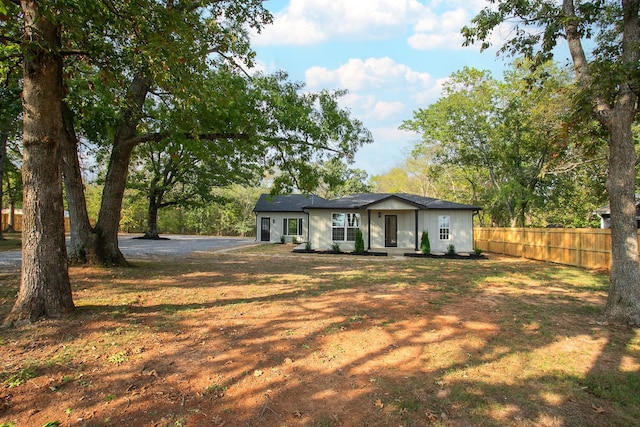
pixel 155 198
pixel 116 179
pixel 623 303
pixel 3 155
pixel 45 288
pixel 82 242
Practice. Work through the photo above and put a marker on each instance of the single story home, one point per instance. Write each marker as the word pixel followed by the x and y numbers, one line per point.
pixel 394 220
pixel 605 214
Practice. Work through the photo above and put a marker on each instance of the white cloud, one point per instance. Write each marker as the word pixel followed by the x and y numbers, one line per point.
pixel 385 110
pixel 259 67
pixel 371 73
pixel 370 109
pixel 440 31
pixel 434 24
pixel 391 147
pixel 429 94
pixel 305 22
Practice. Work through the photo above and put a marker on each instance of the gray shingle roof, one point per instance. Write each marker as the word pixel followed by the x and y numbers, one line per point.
pixel 364 200
pixel 300 202
pixel 285 203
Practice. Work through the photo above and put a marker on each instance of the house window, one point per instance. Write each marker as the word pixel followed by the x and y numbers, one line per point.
pixel 444 227
pixel 344 226
pixel 292 226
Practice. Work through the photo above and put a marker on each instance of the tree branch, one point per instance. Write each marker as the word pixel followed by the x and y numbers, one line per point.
pixel 581 65
pixel 159 136
pixel 307 143
pixel 74 52
pixel 569 167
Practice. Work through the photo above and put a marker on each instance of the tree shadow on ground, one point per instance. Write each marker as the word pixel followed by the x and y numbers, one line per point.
pixel 268 341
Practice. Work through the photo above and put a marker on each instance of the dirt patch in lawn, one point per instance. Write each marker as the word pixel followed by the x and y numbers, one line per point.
pixel 265 337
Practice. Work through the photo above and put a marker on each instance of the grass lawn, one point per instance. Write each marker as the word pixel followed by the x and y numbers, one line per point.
pixel 264 337
pixel 10 241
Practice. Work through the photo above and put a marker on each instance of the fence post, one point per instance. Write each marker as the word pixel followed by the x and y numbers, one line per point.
pixel 579 249
pixel 504 241
pixel 547 244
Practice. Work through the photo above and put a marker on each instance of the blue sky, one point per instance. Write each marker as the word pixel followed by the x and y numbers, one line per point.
pixel 391 55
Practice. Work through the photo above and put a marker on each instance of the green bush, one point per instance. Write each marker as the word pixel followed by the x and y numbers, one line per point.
pixel 451 250
pixel 335 247
pixel 359 243
pixel 425 246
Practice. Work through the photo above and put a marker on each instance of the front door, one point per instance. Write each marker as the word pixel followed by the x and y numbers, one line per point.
pixel 265 230
pixel 390 231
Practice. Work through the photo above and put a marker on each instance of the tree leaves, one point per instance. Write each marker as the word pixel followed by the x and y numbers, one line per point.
pixel 509 138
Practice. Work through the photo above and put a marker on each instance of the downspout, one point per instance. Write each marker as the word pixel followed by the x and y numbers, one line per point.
pixel 257 231
pixel 416 233
pixel 368 229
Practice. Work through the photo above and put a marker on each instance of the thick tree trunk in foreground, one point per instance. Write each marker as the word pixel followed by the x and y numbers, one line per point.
pixel 82 242
pixel 45 288
pixel 116 180
pixel 623 303
pixel 99 245
pixel 3 155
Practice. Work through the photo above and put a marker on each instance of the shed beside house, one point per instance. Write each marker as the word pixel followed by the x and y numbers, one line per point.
pixel 283 216
pixel 605 214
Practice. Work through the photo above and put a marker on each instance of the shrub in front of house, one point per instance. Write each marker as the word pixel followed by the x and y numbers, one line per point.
pixel 425 246
pixel 451 250
pixel 359 243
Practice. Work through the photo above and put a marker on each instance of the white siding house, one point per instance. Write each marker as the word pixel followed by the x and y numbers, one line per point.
pixel 385 220
pixel 283 216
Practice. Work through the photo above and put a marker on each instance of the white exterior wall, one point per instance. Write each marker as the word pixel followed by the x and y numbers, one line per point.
pixel 405 213
pixel 321 229
pixel 406 227
pixel 276 230
pixel 460 232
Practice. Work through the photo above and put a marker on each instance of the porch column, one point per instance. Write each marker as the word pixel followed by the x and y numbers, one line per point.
pixel 368 229
pixel 416 233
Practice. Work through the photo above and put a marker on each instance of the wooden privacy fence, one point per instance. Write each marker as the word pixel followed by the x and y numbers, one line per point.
pixel 17 222
pixel 581 247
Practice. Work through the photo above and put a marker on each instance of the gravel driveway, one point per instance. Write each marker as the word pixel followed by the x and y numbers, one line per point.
pixel 141 248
